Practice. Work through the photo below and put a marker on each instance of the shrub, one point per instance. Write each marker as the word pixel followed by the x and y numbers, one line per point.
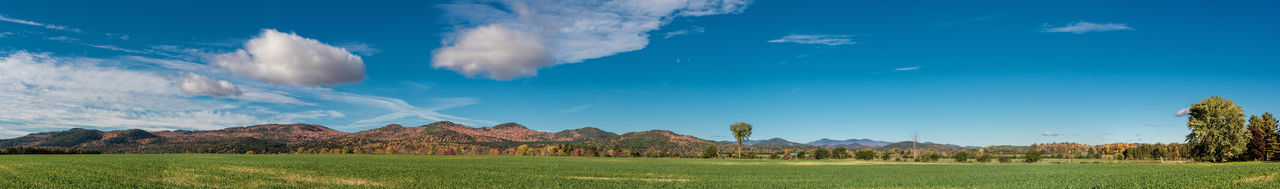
pixel 710 152
pixel 821 153
pixel 865 154
pixel 961 157
pixel 885 156
pixel 839 153
pixel 1033 156
pixel 984 158
pixel 933 157
pixel 1005 159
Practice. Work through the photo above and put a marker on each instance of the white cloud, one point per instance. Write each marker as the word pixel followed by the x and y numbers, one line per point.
pixel 199 84
pixel 1050 133
pixel 286 58
pixel 694 30
pixel 1182 112
pixel 569 31
pixel 496 52
pixel 308 115
pixel 575 109
pixel 907 68
pixel 1086 27
pixel 3 34
pixel 33 23
pixel 401 111
pixel 829 40
pixel 44 92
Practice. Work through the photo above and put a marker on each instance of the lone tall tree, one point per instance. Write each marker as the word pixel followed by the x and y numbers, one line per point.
pixel 741 131
pixel 1217 130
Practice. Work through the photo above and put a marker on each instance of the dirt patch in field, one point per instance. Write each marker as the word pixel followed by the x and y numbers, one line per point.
pixel 1258 179
pixel 284 175
pixel 7 169
pixel 636 179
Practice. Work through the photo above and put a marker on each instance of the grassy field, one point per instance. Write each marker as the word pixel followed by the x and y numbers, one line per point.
pixel 408 171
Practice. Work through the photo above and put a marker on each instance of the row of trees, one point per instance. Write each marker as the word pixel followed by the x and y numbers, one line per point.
pixel 1218 133
pixel 40 150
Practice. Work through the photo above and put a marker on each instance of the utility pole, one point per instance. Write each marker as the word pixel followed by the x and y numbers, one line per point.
pixel 915 139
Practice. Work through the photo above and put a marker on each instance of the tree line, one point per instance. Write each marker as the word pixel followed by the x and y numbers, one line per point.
pixel 41 150
pixel 1219 132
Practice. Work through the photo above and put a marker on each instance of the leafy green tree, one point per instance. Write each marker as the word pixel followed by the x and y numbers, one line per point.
pixel 839 153
pixel 1032 156
pixel 1217 130
pixel 961 156
pixel 1268 123
pixel 886 156
pixel 710 152
pixel 865 154
pixel 821 153
pixel 741 131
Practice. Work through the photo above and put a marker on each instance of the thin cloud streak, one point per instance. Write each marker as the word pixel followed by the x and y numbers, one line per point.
pixel 907 68
pixel 820 39
pixel 1086 27
pixel 34 23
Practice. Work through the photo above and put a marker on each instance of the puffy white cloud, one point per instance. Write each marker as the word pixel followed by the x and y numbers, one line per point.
pixel 496 52
pixel 1086 27
pixel 286 58
pixel 1182 112
pixel 829 40
pixel 569 31
pixel 199 84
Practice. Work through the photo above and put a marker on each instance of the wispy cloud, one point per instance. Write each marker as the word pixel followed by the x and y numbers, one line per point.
pixel 693 30
pixel 530 36
pixel 1086 27
pixel 576 109
pixel 907 68
pixel 38 24
pixel 364 49
pixel 1050 133
pixel 47 92
pixel 829 40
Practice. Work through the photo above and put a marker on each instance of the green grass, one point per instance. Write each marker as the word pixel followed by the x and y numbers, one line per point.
pixel 409 171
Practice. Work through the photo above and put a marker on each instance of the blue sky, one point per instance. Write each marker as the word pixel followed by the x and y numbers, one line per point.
pixel 968 73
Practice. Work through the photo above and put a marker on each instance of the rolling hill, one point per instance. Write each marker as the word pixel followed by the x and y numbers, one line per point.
pixel 394 138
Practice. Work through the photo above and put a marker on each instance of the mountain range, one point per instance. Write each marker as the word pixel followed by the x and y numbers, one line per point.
pixel 394 138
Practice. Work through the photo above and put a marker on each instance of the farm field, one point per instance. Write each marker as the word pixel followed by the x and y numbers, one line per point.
pixel 412 171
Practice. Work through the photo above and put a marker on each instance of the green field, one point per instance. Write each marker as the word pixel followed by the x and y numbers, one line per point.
pixel 410 171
